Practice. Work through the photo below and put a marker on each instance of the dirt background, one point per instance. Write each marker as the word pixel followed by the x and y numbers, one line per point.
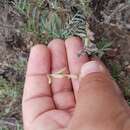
pixel 111 19
pixel 14 50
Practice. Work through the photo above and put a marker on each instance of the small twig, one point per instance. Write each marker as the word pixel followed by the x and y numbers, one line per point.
pixel 60 75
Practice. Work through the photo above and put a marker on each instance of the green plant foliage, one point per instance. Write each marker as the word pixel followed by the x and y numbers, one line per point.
pixel 127 93
pixel 103 46
pixel 18 126
pixel 9 90
pixel 55 22
pixel 115 71
pixel 22 6
pixel 44 23
pixel 48 23
pixel 12 93
pixel 98 49
pixel 76 26
pixel 19 66
pixel 50 27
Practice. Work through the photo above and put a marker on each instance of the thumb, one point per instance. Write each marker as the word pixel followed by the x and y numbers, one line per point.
pixel 100 102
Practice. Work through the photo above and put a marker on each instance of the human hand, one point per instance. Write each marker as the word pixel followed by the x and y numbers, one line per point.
pixel 94 102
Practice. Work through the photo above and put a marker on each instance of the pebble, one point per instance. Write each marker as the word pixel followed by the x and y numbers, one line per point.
pixel 128 68
pixel 126 63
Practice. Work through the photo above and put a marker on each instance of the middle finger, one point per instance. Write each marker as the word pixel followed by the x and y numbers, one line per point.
pixel 62 89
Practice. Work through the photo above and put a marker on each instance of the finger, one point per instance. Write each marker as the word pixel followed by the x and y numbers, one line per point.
pixel 37 98
pixel 107 71
pixel 97 60
pixel 98 97
pixel 73 46
pixel 62 88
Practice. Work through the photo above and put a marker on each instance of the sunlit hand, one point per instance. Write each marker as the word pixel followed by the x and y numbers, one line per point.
pixel 95 103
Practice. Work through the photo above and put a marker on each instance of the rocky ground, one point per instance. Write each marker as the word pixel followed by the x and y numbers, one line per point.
pixel 107 18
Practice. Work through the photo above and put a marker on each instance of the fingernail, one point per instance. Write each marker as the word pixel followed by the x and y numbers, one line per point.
pixel 91 67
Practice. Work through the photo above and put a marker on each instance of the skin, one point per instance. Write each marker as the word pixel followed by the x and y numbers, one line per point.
pixel 94 102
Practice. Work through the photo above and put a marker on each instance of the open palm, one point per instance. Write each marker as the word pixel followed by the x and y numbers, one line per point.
pixel 50 107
